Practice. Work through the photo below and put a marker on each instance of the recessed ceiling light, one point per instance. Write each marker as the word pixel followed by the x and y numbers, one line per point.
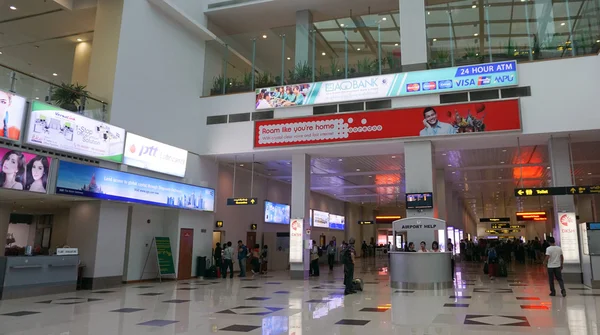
pixel 562 24
pixel 503 150
pixel 435 39
pixel 79 40
pixel 341 159
pixel 450 165
pixel 499 177
pixel 474 6
pixel 54 74
pixel 580 179
pixel 0 52
pixel 384 19
pixel 241 164
pixel 289 163
pixel 397 44
pixel 264 36
pixel 393 156
pixel 501 162
pixel 476 34
pixel 37 98
pixel 289 58
pixel 597 41
pixel 443 154
pixel 323 54
pixel 453 172
pixel 370 176
pixel 589 173
pixel 357 170
pixel 358 49
pixel 548 168
pixel 428 13
pixel 341 24
pixel 12 8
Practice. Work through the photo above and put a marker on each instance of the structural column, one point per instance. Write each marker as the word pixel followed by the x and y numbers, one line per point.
pixel 301 209
pixel 442 211
pixel 81 63
pixel 418 167
pixel 413 35
pixel 4 221
pixel 560 163
pixel 303 50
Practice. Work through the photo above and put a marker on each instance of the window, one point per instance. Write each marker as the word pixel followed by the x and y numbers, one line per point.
pixel 485 95
pixel 352 107
pixel 379 104
pixel 327 109
pixel 239 117
pixel 516 92
pixel 455 97
pixel 262 115
pixel 216 119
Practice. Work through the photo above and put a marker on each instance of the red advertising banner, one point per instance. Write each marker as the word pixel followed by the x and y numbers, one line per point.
pixel 450 120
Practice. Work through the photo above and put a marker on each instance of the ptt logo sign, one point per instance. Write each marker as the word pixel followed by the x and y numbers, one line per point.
pixel 145 150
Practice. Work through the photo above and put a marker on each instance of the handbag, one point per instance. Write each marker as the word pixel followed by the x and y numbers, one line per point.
pixel 486 268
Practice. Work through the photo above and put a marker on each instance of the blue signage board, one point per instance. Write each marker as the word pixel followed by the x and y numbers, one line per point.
pixel 95 182
pixel 437 81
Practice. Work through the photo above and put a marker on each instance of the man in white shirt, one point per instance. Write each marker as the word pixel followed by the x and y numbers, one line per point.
pixel 554 260
pixel 433 126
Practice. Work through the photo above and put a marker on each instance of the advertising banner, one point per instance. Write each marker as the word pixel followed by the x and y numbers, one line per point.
pixel 277 213
pixel 568 237
pixel 453 79
pixel 337 222
pixel 148 154
pixel 54 128
pixel 95 182
pixel 474 117
pixel 12 116
pixel 23 171
pixel 296 240
pixel 321 219
pixel 164 255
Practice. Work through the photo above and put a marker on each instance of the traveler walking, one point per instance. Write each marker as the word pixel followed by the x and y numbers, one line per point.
pixel 554 261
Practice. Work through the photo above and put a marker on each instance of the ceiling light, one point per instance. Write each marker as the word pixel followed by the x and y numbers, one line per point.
pixel 323 54
pixel 474 6
pixel 13 8
pixel 453 172
pixel 476 34
pixel 501 162
pixel 384 19
pixel 241 164
pixel 597 41
pixel 393 156
pixel 435 39
pixel 339 160
pixel 428 13
pixel 503 150
pixel 397 44
pixel 450 165
pixel 589 173
pixel 289 58
pixel 580 179
pixel 562 24
pixel 370 176
pixel 54 74
pixel 0 52
pixel 443 154
pixel 37 98
pixel 357 170
pixel 264 36
pixel 341 24
pixel 79 40
pixel 548 168
pixel 358 49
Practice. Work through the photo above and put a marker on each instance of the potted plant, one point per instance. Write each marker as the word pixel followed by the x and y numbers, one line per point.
pixel 68 96
pixel 217 88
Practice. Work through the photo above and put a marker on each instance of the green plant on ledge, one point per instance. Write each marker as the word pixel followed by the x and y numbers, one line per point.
pixel 217 87
pixel 68 96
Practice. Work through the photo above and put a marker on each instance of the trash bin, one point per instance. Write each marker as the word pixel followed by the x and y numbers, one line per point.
pixel 200 266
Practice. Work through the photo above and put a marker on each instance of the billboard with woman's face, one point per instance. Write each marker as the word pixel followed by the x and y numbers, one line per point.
pixel 24 171
pixel 12 112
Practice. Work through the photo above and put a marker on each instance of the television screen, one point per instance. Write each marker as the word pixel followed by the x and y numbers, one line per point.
pixel 277 213
pixel 419 200
pixel 337 222
pixel 320 219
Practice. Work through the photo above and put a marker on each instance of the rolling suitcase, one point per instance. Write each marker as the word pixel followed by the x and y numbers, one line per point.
pixel 357 284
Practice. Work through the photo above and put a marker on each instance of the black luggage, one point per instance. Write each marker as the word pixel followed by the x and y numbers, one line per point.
pixel 357 285
pixel 502 270
pixel 211 272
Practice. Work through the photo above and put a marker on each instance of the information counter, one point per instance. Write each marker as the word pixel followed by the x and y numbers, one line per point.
pixel 420 270
pixel 26 276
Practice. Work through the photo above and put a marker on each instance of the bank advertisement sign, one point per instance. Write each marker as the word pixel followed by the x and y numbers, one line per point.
pixel 430 121
pixel 12 116
pixel 568 237
pixel 23 171
pixel 54 128
pixel 95 182
pixel 454 79
pixel 148 154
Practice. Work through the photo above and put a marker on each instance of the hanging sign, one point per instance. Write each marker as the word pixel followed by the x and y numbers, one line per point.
pixel 241 201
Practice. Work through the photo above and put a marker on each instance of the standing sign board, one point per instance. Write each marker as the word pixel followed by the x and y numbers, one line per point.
pixel 568 237
pixel 164 256
pixel 296 240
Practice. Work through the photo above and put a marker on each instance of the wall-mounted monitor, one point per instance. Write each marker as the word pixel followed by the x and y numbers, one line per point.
pixel 419 200
pixel 57 129
pixel 337 222
pixel 23 171
pixel 277 213
pixel 320 219
pixel 12 115
pixel 96 182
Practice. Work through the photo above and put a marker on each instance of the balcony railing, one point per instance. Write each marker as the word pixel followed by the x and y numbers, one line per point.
pixel 34 88
pixel 458 32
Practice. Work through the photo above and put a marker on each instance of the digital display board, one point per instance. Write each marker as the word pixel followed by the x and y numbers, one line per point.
pixel 337 222
pixel 100 183
pixel 320 219
pixel 419 200
pixel 531 216
pixel 277 213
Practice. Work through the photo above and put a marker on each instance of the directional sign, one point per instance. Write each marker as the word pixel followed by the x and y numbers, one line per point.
pixel 560 190
pixel 366 222
pixel 219 224
pixel 583 189
pixel 486 220
pixel 531 216
pixel 253 226
pixel 241 201
pixel 500 225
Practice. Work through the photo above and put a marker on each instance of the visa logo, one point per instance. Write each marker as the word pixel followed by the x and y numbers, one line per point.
pixel 443 84
pixel 465 82
pixel 485 80
pixel 504 79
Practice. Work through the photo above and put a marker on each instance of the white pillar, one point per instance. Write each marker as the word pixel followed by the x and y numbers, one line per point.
pixel 4 221
pixel 560 163
pixel 413 35
pixel 301 208
pixel 418 168
pixel 303 51
pixel 81 63
pixel 440 195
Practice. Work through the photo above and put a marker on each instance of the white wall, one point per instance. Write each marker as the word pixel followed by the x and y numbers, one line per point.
pixel 110 245
pixel 557 87
pixel 83 231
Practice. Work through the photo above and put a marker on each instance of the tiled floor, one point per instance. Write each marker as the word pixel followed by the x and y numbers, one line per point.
pixel 276 305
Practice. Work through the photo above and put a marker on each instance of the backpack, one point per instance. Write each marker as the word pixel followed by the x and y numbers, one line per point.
pixel 492 254
pixel 319 251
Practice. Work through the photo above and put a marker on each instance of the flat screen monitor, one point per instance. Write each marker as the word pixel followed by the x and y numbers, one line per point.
pixel 419 200
pixel 337 222
pixel 277 213
pixel 321 219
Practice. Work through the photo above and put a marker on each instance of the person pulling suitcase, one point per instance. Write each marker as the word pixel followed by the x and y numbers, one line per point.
pixel 348 260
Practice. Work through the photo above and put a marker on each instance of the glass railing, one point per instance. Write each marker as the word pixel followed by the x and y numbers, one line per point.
pixel 471 32
pixel 341 48
pixel 69 97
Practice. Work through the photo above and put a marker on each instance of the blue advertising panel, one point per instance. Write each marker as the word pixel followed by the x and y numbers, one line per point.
pixel 95 182
pixel 277 213
pixel 337 222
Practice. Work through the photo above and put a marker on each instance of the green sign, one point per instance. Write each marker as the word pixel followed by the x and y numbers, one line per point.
pixel 164 256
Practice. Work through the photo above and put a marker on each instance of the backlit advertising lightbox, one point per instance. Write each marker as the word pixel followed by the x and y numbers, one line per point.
pixel 95 182
pixel 320 219
pixel 148 154
pixel 23 171
pixel 12 116
pixel 54 128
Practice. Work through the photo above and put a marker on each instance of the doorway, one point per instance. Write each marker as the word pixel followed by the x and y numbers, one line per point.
pixel 250 242
pixel 186 247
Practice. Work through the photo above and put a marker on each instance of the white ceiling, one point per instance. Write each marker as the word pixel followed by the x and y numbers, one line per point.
pixel 39 38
